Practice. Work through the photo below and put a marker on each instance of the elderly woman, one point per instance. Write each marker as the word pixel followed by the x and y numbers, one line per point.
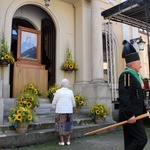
pixel 63 102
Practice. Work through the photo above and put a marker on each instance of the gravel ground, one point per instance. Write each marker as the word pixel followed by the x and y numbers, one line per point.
pixel 102 141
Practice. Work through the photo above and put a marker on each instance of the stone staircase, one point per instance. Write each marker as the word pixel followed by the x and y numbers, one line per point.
pixel 42 130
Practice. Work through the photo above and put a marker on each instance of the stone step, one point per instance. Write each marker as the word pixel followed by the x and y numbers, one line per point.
pixel 45 106
pixel 44 113
pixel 44 125
pixel 42 130
pixel 13 139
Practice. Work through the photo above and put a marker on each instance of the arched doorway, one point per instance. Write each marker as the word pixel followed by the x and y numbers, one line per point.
pixel 48 38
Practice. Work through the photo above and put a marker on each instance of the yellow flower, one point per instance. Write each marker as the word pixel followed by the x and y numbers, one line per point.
pixel 28 100
pixel 20 103
pixel 80 100
pixel 36 92
pixel 77 97
pixel 30 117
pixel 31 85
pixel 9 119
pixel 22 99
pixel 31 98
pixel 29 104
pixel 31 88
pixel 4 51
pixel 97 112
pixel 6 57
pixel 20 114
pixel 69 64
pixel 98 109
pixel 52 89
pixel 19 111
pixel 85 103
pixel 22 108
pixel 18 117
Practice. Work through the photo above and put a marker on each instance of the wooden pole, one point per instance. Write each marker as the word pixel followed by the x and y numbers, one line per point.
pixel 117 124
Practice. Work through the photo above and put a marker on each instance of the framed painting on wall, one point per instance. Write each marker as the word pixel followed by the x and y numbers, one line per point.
pixel 29 43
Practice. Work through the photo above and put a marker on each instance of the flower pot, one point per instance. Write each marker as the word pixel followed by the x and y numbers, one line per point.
pixel 98 119
pixel 77 110
pixel 4 63
pixel 22 127
pixel 69 71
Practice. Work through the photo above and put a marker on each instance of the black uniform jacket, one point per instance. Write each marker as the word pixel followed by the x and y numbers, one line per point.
pixel 131 97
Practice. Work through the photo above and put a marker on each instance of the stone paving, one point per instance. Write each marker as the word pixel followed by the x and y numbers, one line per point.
pixel 106 141
pixel 102 141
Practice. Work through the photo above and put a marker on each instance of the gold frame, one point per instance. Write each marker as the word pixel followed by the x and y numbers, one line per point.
pixel 30 55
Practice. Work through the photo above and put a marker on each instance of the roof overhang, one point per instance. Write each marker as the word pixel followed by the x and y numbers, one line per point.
pixel 132 12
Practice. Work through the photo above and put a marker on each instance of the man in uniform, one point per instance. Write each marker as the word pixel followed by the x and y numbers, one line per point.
pixel 131 100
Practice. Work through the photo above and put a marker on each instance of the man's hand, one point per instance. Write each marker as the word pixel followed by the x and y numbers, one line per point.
pixel 132 120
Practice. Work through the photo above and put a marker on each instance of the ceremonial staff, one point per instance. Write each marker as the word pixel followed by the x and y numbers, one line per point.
pixel 118 124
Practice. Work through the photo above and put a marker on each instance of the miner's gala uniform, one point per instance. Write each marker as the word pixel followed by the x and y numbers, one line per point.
pixel 131 102
pixel 131 97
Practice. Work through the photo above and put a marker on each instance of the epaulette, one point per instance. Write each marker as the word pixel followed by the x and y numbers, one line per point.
pixel 126 80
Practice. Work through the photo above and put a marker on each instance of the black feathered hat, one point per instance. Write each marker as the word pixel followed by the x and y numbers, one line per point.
pixel 129 52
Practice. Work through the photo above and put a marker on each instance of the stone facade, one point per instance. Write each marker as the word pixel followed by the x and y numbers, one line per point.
pixel 80 23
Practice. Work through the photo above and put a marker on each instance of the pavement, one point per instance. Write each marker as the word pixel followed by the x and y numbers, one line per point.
pixel 102 141
pixel 105 141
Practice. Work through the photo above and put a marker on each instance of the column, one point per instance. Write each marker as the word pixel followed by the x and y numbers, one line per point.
pixel 97 48
pixel 83 41
pixel 1 103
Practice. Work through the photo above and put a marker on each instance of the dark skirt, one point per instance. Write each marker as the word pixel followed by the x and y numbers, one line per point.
pixel 63 124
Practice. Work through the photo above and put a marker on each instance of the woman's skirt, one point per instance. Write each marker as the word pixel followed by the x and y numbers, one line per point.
pixel 63 124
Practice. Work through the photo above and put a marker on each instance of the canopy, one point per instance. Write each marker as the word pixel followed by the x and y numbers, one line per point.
pixel 132 12
pixel 135 13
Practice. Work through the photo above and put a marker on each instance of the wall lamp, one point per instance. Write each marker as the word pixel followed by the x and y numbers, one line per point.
pixel 47 2
pixel 139 42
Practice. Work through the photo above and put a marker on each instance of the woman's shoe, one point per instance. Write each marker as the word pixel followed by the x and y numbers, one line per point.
pixel 61 143
pixel 68 143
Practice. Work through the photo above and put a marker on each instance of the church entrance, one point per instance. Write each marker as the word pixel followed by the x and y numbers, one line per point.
pixel 48 39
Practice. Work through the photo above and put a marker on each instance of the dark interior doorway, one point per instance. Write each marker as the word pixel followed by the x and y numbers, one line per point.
pixel 48 43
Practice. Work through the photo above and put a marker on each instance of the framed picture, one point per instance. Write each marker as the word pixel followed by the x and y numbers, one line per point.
pixel 29 43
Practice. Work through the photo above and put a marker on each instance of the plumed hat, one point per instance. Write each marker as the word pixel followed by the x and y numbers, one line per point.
pixel 129 52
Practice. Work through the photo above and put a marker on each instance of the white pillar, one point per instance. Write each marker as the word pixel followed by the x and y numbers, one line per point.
pixel 83 41
pixel 1 111
pixel 1 104
pixel 97 49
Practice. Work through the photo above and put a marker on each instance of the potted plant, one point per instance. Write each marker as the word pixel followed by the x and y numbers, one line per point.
pixel 20 118
pixel 28 100
pixel 23 112
pixel 98 112
pixel 69 65
pixel 6 57
pixel 51 91
pixel 80 102
pixel 31 88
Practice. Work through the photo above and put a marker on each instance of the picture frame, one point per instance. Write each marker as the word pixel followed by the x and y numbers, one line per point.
pixel 28 48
